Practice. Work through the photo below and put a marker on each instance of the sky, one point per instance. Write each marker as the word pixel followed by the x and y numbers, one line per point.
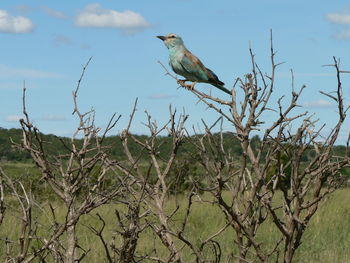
pixel 45 43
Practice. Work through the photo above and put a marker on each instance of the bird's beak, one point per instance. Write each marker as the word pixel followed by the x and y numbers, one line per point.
pixel 162 37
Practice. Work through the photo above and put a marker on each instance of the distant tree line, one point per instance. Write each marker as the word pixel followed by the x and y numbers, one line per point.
pixel 55 146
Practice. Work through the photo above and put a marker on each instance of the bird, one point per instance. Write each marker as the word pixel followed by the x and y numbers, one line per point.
pixel 184 63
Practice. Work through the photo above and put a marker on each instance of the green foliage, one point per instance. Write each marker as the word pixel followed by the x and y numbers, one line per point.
pixel 346 172
pixel 280 167
pixel 54 145
pixel 7 151
pixel 184 174
pixel 31 178
pixel 186 169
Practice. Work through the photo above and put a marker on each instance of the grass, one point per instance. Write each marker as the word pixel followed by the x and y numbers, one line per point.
pixel 328 237
pixel 326 240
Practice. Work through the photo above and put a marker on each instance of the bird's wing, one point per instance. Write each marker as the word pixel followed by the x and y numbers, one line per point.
pixel 213 78
pixel 193 66
pixel 195 70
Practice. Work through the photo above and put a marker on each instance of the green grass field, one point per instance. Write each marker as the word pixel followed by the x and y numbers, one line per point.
pixel 326 240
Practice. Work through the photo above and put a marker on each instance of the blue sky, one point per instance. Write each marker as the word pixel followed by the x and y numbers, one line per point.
pixel 45 44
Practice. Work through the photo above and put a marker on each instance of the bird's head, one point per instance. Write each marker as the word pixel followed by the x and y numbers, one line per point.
pixel 171 40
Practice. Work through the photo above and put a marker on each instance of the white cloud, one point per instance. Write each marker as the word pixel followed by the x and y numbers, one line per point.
pixel 23 8
pixel 47 10
pixel 317 104
pixel 344 34
pixel 13 118
pixel 93 15
pixel 52 12
pixel 61 40
pixel 14 24
pixel 7 72
pixel 342 19
pixel 53 118
pixel 338 18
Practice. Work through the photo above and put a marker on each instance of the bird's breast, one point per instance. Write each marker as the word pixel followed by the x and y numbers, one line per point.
pixel 175 62
pixel 177 67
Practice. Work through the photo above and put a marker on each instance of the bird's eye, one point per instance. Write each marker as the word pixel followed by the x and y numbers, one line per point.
pixel 172 36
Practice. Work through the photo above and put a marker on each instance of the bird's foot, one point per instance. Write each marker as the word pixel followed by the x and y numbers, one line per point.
pixel 182 82
pixel 191 86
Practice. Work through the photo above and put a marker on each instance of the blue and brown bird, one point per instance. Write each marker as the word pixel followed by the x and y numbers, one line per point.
pixel 184 63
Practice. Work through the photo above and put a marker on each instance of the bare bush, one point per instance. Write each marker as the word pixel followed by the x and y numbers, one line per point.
pixel 276 165
pixel 23 209
pixel 280 178
pixel 76 177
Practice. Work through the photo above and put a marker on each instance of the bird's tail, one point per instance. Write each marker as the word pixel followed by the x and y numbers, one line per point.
pixel 222 88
